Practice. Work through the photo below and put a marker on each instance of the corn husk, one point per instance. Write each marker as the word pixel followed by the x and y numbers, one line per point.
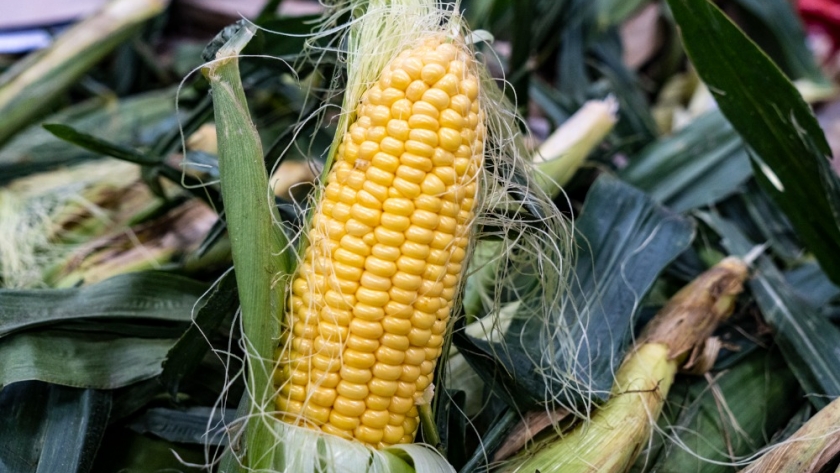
pixel 716 421
pixel 43 216
pixel 564 152
pixel 150 245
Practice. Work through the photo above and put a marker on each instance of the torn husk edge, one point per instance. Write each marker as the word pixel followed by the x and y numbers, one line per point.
pixel 809 450
pixel 618 431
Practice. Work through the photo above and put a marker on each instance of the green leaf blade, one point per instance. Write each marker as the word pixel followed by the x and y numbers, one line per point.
pixel 98 145
pixel 145 295
pixel 80 360
pixel 790 160
pixel 625 240
pixel 699 165
pixel 48 428
pixel 808 340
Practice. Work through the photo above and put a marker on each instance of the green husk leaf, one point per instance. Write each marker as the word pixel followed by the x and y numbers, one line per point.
pixel 566 149
pixel 771 224
pixel 624 240
pixel 258 247
pixel 636 124
pixel 126 451
pixel 624 423
pixel 152 244
pixel 811 284
pixel 808 341
pixel 147 295
pixel 572 77
pixel 304 450
pixel 132 398
pixel 420 459
pixel 614 12
pixel 812 449
pixel 80 360
pixel 122 121
pixel 519 73
pixel 791 154
pixel 296 28
pixel 50 428
pixel 157 167
pixel 699 165
pixel 611 439
pixel 783 23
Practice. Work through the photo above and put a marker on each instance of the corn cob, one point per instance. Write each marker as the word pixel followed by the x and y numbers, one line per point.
pixel 372 299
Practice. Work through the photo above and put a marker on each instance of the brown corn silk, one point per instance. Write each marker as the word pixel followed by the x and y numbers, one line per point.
pixel 373 295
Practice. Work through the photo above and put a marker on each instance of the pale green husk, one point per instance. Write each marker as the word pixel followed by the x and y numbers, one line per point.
pixel 619 430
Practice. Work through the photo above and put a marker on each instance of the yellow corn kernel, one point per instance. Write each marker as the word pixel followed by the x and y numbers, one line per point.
pixel 388 355
pixel 365 329
pixel 375 419
pixel 396 326
pixel 324 379
pixel 424 109
pixel 415 355
pixel 388 253
pixel 411 174
pixel 371 302
pixel 352 390
pixel 415 90
pixel 349 407
pixel 401 405
pixel 343 422
pixel 398 310
pixel 387 372
pixel 354 375
pixel 392 434
pixel 383 387
pixel 425 122
pixel 367 434
pixel 367 311
pixel 410 373
pixel 362 344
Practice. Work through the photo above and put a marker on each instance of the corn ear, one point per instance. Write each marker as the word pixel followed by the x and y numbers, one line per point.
pixel 371 303
pixel 619 430
pixel 43 217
